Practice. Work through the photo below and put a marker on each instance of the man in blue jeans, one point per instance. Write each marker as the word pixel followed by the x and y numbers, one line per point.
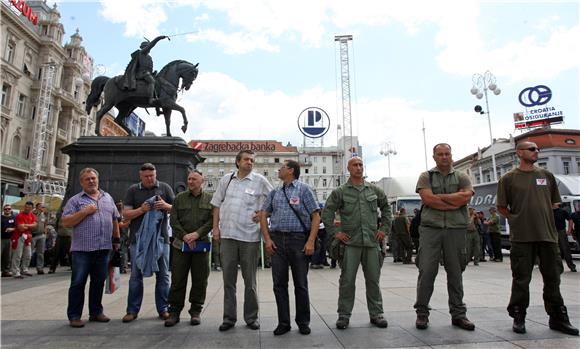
pixel 294 219
pixel 137 204
pixel 93 216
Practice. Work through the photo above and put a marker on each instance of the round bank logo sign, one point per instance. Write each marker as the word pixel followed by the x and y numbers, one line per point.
pixel 313 122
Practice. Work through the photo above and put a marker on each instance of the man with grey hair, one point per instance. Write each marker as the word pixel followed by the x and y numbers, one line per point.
pixel 525 196
pixel 93 216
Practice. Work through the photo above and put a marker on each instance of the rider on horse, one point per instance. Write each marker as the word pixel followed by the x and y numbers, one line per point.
pixel 141 68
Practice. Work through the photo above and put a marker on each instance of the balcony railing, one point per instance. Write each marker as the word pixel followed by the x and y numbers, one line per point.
pixel 16 162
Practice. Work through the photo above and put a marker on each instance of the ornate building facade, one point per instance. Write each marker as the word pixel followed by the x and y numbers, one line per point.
pixel 29 48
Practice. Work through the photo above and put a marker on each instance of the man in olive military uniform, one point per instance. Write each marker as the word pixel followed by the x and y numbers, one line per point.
pixel 444 220
pixel 357 201
pixel 493 229
pixel 191 220
pixel 525 196
pixel 401 236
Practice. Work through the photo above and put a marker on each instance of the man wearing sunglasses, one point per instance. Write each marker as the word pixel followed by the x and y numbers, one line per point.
pixel 525 196
pixel 8 228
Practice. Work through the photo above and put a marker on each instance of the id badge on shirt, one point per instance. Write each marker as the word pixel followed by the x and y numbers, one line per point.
pixel 541 181
pixel 294 200
pixel 249 191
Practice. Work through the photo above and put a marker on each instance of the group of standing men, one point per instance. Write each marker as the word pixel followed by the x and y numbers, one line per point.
pixel 245 204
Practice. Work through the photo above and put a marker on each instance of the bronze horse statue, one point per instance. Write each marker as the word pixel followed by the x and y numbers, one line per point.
pixel 166 88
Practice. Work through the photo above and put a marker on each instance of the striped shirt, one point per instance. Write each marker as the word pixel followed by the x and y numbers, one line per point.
pixel 95 231
pixel 300 196
pixel 238 203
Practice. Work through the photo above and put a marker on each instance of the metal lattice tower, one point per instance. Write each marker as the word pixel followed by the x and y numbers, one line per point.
pixel 39 143
pixel 346 109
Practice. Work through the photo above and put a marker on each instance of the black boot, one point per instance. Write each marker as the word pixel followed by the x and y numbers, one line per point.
pixel 519 325
pixel 560 322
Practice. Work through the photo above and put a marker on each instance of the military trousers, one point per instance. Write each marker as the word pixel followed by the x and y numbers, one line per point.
pixel 522 258
pixel 473 246
pixel 434 242
pixel 183 264
pixel 370 259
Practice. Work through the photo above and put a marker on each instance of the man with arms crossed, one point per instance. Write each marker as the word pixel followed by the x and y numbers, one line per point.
pixel 93 216
pixel 444 220
pixel 525 196
pixel 237 201
pixel 294 222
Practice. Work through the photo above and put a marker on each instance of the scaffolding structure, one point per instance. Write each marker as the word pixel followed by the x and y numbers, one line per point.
pixel 34 184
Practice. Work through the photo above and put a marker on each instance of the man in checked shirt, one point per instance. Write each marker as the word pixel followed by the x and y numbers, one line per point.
pixel 294 221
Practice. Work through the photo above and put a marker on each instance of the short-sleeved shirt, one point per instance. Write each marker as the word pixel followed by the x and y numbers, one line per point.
pixel 302 199
pixel 560 218
pixel 41 219
pixel 137 194
pixel 400 225
pixel 529 196
pixel 94 232
pixel 493 227
pixel 238 200
pixel 575 217
pixel 8 222
pixel 24 218
pixel 453 182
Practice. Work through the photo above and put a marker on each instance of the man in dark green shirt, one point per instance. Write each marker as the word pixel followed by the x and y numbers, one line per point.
pixel 357 202
pixel 401 235
pixel 191 221
pixel 444 220
pixel 525 196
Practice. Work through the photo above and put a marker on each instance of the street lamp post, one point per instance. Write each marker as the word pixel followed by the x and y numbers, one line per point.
pixel 483 83
pixel 388 150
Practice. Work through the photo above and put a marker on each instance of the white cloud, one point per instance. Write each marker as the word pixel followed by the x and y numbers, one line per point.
pixel 219 107
pixel 141 17
pixel 235 43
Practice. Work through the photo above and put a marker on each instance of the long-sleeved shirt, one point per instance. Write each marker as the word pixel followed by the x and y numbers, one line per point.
pixel 191 213
pixel 357 206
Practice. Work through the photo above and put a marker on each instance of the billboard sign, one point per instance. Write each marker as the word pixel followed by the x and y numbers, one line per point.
pixel 537 113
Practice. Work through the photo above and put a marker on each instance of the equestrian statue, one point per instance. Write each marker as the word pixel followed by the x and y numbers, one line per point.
pixel 141 87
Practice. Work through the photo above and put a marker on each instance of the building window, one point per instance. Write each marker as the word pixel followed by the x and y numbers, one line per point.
pixel 324 169
pixel 488 177
pixel 265 173
pixel 6 89
pixel 222 160
pixel 315 182
pixel 324 182
pixel 276 160
pixel 566 166
pixel 578 166
pixel 21 106
pixel 324 195
pixel 324 159
pixel 315 159
pixel 15 150
pixel 315 169
pixel 9 52
pixel 477 179
pixel 543 165
pixel 221 171
pixel 305 171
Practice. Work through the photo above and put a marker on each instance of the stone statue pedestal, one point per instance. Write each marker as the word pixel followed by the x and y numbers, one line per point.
pixel 118 160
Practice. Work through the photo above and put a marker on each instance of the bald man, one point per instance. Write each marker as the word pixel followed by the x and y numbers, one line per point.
pixel 356 202
pixel 525 196
pixel 444 221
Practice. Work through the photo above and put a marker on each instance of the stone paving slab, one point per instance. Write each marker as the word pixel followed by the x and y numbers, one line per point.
pixel 33 315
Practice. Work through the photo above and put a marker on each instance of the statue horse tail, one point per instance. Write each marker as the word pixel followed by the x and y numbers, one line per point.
pixel 97 87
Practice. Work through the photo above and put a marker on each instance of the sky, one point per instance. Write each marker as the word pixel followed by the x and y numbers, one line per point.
pixel 411 62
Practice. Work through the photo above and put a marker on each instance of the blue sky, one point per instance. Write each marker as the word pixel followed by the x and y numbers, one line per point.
pixel 262 62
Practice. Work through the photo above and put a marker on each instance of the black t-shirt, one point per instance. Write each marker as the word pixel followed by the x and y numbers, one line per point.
pixel 560 218
pixel 8 222
pixel 137 195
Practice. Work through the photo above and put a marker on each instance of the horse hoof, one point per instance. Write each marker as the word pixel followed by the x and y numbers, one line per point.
pixel 184 128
